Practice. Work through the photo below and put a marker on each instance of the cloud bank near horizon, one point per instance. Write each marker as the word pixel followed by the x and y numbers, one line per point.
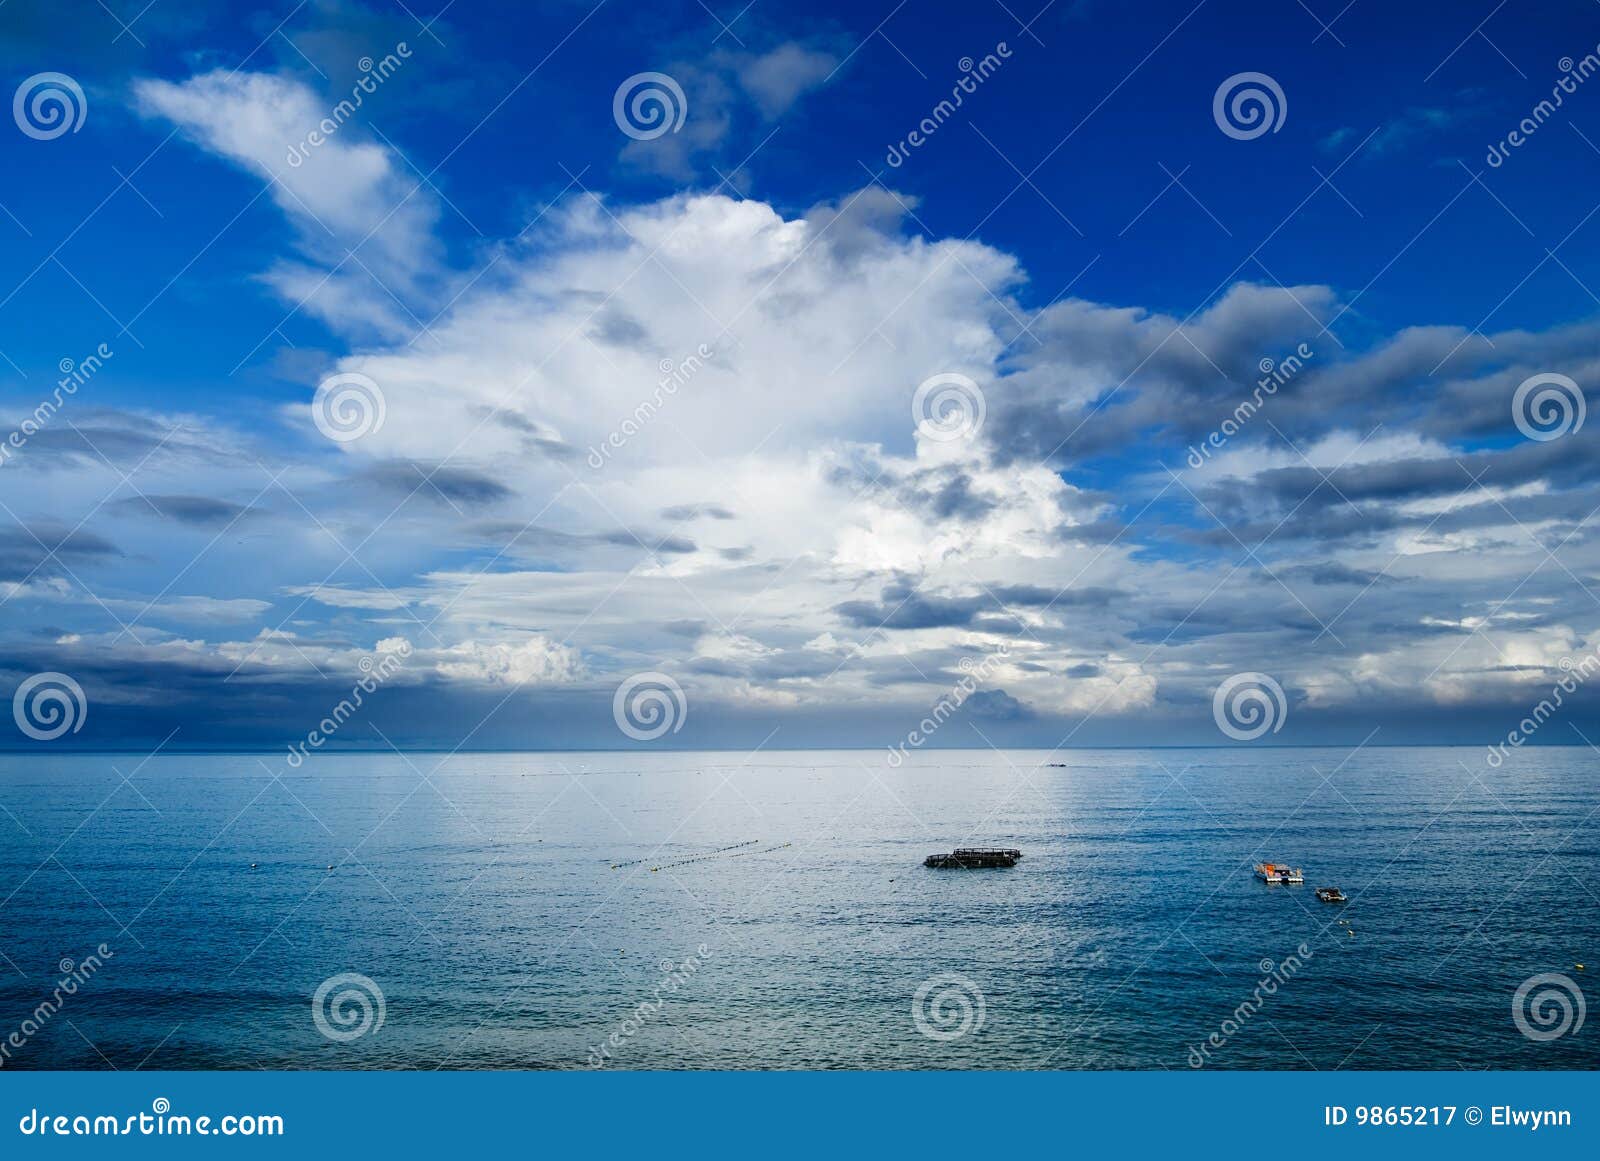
pixel 685 436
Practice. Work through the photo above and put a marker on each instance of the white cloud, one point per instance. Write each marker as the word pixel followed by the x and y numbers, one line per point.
pixel 534 661
pixel 347 192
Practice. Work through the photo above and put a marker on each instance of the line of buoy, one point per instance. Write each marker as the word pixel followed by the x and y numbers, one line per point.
pixel 703 855
pixel 704 858
pixel 768 851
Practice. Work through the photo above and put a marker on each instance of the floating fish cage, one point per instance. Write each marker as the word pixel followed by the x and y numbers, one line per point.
pixel 967 858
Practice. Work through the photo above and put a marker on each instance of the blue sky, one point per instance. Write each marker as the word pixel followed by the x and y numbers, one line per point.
pixel 1081 241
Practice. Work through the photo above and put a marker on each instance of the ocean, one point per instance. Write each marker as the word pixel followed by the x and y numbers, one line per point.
pixel 656 909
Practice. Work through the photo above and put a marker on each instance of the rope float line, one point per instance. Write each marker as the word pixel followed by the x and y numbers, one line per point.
pixel 714 854
pixel 694 858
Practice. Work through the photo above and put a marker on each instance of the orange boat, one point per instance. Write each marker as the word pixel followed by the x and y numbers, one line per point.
pixel 1278 873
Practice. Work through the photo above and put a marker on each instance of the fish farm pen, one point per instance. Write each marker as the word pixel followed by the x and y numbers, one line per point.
pixel 967 858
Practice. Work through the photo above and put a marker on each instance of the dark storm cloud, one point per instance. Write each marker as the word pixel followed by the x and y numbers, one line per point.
pixel 1102 378
pixel 46 550
pixel 1034 596
pixel 549 539
pixel 466 487
pixel 901 606
pixel 197 510
pixel 535 438
pixel 124 438
pixel 1570 462
pixel 995 705
pixel 1332 521
pixel 945 493
pixel 686 512
pixel 616 328
pixel 1331 572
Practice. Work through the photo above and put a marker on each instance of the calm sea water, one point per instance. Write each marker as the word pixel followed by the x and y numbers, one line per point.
pixel 481 894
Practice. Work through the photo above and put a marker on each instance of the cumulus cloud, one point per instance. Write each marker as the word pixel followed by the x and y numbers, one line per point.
pixel 343 195
pixel 679 436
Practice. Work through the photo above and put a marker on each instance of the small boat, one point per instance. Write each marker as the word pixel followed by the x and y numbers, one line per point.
pixel 1331 895
pixel 966 858
pixel 1278 873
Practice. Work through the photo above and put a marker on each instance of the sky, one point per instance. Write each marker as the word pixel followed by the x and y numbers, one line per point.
pixel 731 374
